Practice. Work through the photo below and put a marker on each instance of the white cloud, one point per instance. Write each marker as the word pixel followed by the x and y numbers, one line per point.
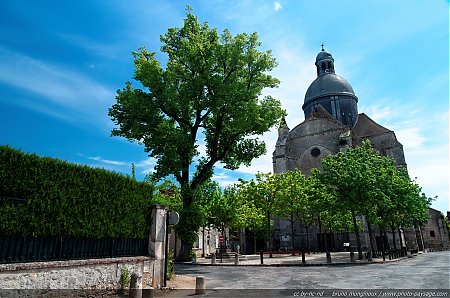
pixel 377 113
pixel 277 6
pixel 263 164
pixel 430 166
pixel 146 165
pixel 56 88
pixel 91 46
pixel 411 137
pixel 109 162
pixel 223 179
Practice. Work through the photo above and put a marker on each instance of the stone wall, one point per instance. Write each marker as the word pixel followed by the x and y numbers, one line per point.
pixel 435 234
pixel 94 274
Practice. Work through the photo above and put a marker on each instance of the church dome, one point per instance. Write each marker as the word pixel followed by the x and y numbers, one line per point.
pixel 328 84
pixel 332 92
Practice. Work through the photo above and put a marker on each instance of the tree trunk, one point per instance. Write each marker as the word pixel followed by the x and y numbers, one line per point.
pixel 292 234
pixel 185 251
pixel 387 240
pixel 382 244
pixel 308 239
pixel 393 237
pixel 358 239
pixel 269 248
pixel 320 234
pixel 372 246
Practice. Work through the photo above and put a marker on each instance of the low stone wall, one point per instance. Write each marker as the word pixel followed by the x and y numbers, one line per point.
pixel 92 274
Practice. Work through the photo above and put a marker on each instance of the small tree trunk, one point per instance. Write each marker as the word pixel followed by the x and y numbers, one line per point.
pixel 325 240
pixel 393 237
pixel 292 234
pixel 269 248
pixel 185 251
pixel 382 244
pixel 358 239
pixel 387 240
pixel 372 246
pixel 320 234
pixel 308 239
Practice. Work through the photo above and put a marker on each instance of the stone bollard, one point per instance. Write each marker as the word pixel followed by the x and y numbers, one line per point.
pixel 261 257
pixel 147 292
pixel 352 257
pixel 328 258
pixel 369 256
pixel 303 257
pixel 213 259
pixel 236 259
pixel 136 286
pixel 200 287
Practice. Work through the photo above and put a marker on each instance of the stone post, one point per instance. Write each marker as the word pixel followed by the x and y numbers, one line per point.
pixel 213 259
pixel 352 257
pixel 156 244
pixel 328 258
pixel 136 286
pixel 236 259
pixel 303 257
pixel 200 287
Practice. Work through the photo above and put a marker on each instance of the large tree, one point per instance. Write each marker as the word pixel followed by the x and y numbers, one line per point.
pixel 209 89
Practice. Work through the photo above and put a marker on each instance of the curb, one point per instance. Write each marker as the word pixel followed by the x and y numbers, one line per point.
pixel 292 265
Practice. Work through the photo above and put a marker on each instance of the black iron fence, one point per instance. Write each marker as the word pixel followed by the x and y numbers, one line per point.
pixel 15 249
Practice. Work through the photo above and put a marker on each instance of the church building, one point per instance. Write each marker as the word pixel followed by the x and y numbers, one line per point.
pixel 332 123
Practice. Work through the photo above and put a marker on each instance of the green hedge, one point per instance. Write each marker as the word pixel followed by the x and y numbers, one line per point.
pixel 43 196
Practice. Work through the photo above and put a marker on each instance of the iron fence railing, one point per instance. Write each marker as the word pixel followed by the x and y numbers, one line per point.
pixel 15 249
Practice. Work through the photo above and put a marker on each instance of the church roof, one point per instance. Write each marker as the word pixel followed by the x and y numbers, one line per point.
pixel 366 127
pixel 321 112
pixel 328 84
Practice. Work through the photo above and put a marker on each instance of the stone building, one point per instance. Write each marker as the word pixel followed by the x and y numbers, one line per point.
pixel 332 122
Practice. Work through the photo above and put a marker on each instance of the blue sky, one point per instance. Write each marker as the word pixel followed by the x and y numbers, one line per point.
pixel 61 63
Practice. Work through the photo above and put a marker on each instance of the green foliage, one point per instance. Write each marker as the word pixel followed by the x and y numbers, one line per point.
pixel 124 280
pixel 59 198
pixel 366 183
pixel 169 269
pixel 192 218
pixel 209 89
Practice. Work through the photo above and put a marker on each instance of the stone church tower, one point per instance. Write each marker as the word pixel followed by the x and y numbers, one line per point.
pixel 331 123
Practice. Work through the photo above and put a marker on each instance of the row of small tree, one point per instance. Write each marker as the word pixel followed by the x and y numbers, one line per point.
pixel 354 183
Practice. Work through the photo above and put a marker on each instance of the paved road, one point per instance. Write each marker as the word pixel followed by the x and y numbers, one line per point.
pixel 425 271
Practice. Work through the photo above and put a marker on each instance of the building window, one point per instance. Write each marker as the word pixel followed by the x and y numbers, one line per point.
pixel 315 152
pixel 432 234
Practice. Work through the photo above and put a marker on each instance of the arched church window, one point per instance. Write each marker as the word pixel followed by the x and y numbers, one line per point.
pixel 323 66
